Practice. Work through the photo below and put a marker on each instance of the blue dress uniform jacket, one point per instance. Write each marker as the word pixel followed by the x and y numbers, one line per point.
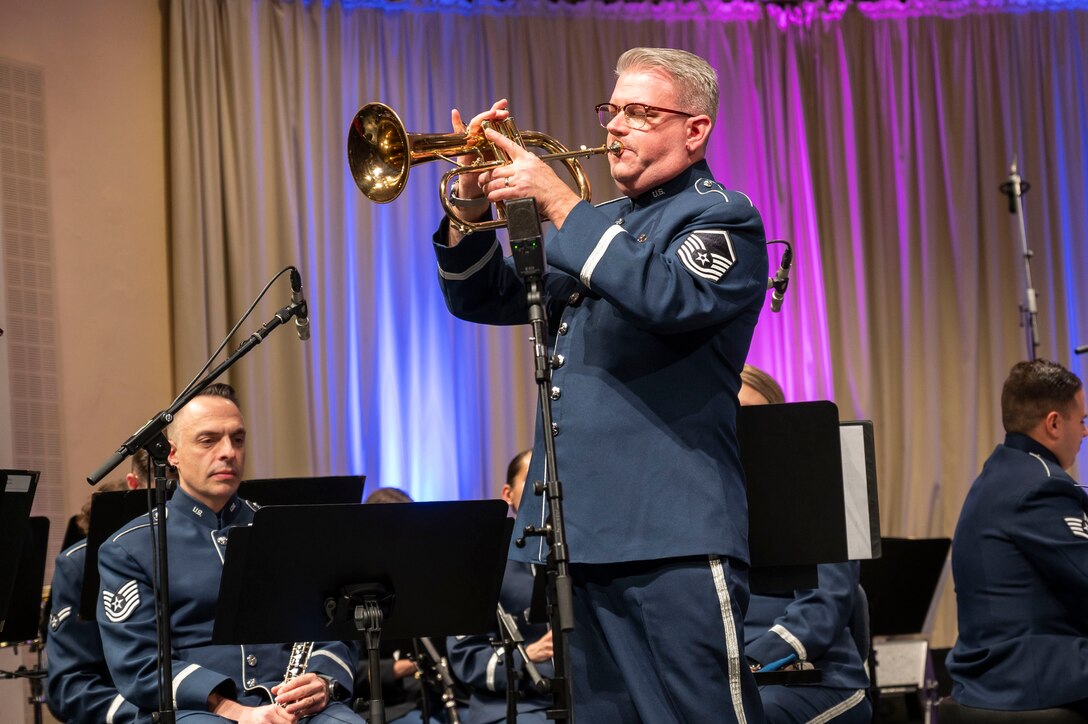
pixel 474 661
pixel 126 614
pixel 653 302
pixel 1020 565
pixel 79 688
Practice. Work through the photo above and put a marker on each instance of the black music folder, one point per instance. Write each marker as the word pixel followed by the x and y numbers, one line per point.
pixel 24 617
pixel 812 492
pixel 441 563
pixel 17 488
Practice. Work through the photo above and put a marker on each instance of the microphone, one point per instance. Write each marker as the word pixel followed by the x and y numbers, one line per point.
pixel 302 317
pixel 1015 187
pixel 526 243
pixel 1081 349
pixel 781 280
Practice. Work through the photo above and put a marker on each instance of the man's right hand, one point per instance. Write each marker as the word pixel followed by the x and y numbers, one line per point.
pixel 232 710
pixel 541 649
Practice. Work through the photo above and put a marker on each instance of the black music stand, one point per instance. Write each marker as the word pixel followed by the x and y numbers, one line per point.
pixel 361 571
pixel 903 584
pixel 793 466
pixel 24 619
pixel 25 604
pixel 109 511
pixel 112 509
pixel 327 490
pixel 17 488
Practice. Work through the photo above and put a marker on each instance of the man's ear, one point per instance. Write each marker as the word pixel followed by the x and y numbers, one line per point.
pixel 172 457
pixel 1052 424
pixel 507 494
pixel 698 131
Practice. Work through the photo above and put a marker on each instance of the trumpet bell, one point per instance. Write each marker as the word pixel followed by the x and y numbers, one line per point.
pixel 378 152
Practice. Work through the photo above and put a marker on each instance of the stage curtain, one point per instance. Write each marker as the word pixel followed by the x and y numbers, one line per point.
pixel 872 137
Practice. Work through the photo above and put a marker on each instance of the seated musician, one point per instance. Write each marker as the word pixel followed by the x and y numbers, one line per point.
pixel 479 664
pixel 211 683
pixel 1020 555
pixel 806 627
pixel 79 689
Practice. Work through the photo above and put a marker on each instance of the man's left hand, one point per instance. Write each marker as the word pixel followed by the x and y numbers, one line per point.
pixel 302 696
pixel 527 176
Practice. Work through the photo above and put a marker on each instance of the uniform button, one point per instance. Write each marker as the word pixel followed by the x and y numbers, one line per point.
pixel 222 540
pixel 555 429
pixel 574 298
pixel 251 683
pixel 251 660
pixel 558 361
pixel 556 393
pixel 563 327
pixel 619 221
pixel 707 183
pixel 641 238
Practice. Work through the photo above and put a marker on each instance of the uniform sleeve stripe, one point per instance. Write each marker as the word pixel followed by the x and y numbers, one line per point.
pixel 793 641
pixel 336 660
pixel 598 251
pixel 114 706
pixel 185 673
pixel 492 664
pixel 461 276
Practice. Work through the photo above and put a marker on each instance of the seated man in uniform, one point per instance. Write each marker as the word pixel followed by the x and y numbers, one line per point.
pixel 479 664
pixel 807 627
pixel 79 688
pixel 211 683
pixel 1020 555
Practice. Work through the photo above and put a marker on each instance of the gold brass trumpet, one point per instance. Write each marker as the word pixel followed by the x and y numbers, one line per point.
pixel 381 152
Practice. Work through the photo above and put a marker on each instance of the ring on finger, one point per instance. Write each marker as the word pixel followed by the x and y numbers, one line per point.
pixel 507 182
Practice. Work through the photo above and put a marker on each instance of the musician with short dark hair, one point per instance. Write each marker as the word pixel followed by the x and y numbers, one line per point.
pixel 211 683
pixel 652 298
pixel 1020 555
pixel 79 689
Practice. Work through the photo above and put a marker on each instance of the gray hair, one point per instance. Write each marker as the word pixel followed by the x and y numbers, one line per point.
pixel 695 80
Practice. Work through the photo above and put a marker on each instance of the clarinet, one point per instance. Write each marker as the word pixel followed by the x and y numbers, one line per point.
pixel 445 679
pixel 300 659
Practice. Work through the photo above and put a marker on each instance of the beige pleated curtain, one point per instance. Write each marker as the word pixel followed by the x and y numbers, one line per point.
pixel 875 141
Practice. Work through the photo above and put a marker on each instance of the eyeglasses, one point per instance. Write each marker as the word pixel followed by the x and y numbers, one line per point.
pixel 636 114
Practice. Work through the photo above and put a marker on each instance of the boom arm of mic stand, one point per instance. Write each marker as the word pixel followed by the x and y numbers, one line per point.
pixel 154 426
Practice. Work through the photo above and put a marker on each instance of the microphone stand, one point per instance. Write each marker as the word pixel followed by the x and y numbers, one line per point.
pixel 151 437
pixel 1015 188
pixel 527 250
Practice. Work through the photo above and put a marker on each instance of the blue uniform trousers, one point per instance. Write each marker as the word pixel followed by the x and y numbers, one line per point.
pixel 334 713
pixel 660 641
pixel 800 704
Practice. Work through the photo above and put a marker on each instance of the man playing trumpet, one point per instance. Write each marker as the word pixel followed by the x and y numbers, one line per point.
pixel 653 298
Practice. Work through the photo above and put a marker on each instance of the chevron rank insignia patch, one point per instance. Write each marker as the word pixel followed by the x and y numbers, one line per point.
pixel 119 606
pixel 1079 526
pixel 57 618
pixel 708 254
